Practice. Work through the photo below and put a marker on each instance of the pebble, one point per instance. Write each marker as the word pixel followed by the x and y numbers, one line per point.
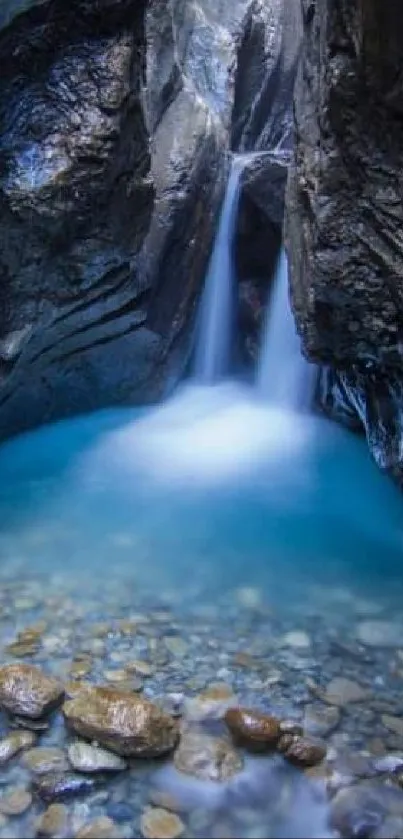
pixel 206 757
pixel 28 691
pixel 15 743
pixel 178 647
pixel 100 828
pixel 377 633
pixel 54 822
pixel 252 729
pixel 389 763
pixel 394 724
pixel 298 639
pixel 15 802
pixel 66 785
pixel 157 823
pixel 305 752
pixel 248 597
pixel 321 721
pixel 42 760
pixel 341 691
pixel 87 758
pixel 141 668
pixel 123 722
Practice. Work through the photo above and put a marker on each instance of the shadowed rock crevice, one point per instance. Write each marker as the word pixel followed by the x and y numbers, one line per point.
pixel 345 212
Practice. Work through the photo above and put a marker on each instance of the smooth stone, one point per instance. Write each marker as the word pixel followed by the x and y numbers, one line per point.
pixel 357 811
pixel 254 730
pixel 66 785
pixel 42 760
pixel 376 633
pixel 248 597
pixel 157 823
pixel 341 691
pixel 120 812
pixel 125 723
pixel 298 639
pixel 28 691
pixel 178 647
pixel 389 763
pixel 140 668
pixel 305 752
pixel 206 757
pixel 394 724
pixel 87 758
pixel 160 798
pixel 16 802
pixel 100 828
pixel 54 822
pixel 321 721
pixel 15 743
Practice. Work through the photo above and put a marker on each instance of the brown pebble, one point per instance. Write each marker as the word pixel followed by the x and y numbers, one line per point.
pixel 305 752
pixel 28 691
pixel 54 822
pixel 16 802
pixel 15 743
pixel 101 828
pixel 252 729
pixel 157 823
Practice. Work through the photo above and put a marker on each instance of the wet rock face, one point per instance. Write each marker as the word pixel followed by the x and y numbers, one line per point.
pixel 345 213
pixel 115 121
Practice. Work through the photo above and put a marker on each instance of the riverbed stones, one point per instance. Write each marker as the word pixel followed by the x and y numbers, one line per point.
pixel 305 752
pixel 42 760
pixel 341 691
pixel 15 743
pixel 125 723
pixel 28 691
pixel 157 823
pixel 15 802
pixel 100 828
pixel 206 757
pixel 252 729
pixel 320 721
pixel 394 724
pixel 88 758
pixel 53 824
pixel 298 639
pixel 377 633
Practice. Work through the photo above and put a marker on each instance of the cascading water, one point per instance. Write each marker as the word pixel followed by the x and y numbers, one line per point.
pixel 284 377
pixel 216 321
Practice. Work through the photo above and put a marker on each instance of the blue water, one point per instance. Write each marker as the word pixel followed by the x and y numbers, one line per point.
pixel 209 492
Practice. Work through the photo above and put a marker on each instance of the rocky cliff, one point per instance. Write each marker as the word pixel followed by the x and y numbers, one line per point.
pixel 345 214
pixel 116 117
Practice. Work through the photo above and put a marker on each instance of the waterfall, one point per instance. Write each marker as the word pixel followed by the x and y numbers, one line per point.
pixel 285 378
pixel 216 322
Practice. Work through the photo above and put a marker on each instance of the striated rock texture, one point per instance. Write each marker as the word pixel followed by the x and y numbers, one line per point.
pixel 116 117
pixel 345 214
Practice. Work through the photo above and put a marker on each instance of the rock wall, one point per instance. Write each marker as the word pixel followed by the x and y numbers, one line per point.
pixel 345 214
pixel 116 117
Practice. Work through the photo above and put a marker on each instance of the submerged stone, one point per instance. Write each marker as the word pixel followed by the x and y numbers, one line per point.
pixel 252 729
pixel 15 802
pixel 341 691
pixel 305 752
pixel 206 757
pixel 53 786
pixel 377 633
pixel 27 691
pixel 88 758
pixel 15 743
pixel 157 823
pixel 54 822
pixel 43 760
pixel 101 828
pixel 125 723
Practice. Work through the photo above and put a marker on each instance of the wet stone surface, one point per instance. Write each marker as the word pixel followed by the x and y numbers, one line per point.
pixel 257 714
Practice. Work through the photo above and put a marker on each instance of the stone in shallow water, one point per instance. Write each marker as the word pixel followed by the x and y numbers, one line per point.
pixel 321 721
pixel 16 802
pixel 298 639
pixel 101 828
pixel 87 758
pixel 27 691
pixel 358 811
pixel 206 757
pixel 54 822
pixel 342 691
pixel 50 787
pixel 394 724
pixel 252 729
pixel 15 743
pixel 157 823
pixel 305 752
pixel 125 723
pixel 380 633
pixel 42 760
